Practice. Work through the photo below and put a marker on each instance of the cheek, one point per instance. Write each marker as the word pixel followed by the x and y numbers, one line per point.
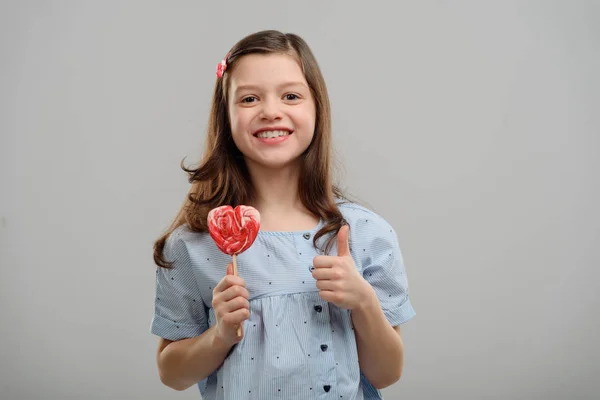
pixel 306 118
pixel 237 127
pixel 233 119
pixel 239 121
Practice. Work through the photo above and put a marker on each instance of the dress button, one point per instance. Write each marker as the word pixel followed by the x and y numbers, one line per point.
pixel 324 347
pixel 318 308
pixel 326 388
pixel 306 236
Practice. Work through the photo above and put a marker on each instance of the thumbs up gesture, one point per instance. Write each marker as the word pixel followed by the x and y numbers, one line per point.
pixel 338 279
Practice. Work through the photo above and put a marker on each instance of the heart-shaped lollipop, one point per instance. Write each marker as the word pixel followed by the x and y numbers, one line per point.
pixel 234 231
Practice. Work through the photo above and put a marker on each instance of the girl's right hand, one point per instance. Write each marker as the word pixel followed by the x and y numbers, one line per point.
pixel 230 302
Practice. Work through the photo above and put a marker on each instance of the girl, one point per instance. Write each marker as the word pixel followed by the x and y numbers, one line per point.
pixel 322 291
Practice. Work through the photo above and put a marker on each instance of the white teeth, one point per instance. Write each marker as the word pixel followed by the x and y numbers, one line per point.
pixel 272 134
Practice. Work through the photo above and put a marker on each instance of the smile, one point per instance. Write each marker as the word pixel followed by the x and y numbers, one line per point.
pixel 272 134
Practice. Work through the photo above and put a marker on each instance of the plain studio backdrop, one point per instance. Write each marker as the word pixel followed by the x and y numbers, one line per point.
pixel 471 126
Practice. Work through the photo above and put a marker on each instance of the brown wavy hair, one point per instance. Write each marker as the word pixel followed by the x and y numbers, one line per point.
pixel 222 176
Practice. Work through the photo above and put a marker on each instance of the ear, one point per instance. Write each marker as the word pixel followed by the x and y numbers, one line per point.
pixel 343 247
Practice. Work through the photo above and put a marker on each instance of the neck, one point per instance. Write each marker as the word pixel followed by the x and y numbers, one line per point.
pixel 276 190
pixel 277 198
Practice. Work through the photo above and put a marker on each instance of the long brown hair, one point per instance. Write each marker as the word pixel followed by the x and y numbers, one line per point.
pixel 223 178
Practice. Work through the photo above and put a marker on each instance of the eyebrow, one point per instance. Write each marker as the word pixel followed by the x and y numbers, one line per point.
pixel 280 86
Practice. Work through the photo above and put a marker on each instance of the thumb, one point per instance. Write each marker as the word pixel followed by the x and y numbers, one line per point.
pixel 343 247
pixel 229 269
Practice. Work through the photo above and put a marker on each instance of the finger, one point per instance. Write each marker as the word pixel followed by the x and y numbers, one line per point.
pixel 237 317
pixel 324 261
pixel 329 296
pixel 222 308
pixel 233 305
pixel 229 270
pixel 327 285
pixel 342 241
pixel 232 292
pixel 324 273
pixel 228 281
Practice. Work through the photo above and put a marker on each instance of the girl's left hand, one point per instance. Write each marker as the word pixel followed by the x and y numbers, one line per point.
pixel 338 279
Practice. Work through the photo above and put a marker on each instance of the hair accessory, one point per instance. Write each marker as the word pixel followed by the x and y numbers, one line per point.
pixel 222 66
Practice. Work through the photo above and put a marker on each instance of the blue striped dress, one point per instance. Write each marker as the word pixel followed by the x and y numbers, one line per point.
pixel 295 345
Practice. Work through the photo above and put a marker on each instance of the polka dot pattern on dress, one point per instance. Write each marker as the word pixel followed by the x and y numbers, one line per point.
pixel 306 343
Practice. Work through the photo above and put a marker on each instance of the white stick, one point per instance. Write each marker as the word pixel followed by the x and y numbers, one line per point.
pixel 235 272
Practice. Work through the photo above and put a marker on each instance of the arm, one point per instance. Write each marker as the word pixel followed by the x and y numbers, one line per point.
pixel 380 347
pixel 185 362
pixel 378 302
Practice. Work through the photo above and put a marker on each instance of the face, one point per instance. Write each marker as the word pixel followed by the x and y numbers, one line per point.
pixel 271 110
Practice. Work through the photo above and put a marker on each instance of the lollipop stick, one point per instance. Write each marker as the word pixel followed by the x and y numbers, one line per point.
pixel 235 272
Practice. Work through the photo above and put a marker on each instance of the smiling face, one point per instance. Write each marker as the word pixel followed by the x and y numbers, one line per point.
pixel 271 110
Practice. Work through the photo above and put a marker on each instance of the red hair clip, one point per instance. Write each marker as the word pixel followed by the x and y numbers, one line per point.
pixel 222 66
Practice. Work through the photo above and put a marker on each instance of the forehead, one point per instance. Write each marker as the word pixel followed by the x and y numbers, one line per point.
pixel 266 70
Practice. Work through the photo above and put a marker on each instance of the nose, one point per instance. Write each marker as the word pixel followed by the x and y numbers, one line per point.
pixel 271 110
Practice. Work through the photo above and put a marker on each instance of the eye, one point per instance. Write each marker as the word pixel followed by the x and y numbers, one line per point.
pixel 248 99
pixel 291 96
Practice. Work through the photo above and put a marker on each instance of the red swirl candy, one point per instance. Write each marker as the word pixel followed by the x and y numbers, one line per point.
pixel 233 230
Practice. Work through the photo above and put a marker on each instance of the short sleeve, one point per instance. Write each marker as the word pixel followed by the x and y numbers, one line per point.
pixel 179 311
pixel 383 267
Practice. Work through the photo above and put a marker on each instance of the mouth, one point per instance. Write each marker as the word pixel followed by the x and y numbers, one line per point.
pixel 271 133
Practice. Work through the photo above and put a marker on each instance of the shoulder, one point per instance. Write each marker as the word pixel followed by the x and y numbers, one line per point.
pixel 181 241
pixel 369 232
pixel 373 240
pixel 363 219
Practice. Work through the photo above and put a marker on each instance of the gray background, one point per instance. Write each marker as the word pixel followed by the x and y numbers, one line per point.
pixel 472 126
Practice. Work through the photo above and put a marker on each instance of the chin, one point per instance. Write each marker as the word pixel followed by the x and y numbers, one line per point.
pixel 275 164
